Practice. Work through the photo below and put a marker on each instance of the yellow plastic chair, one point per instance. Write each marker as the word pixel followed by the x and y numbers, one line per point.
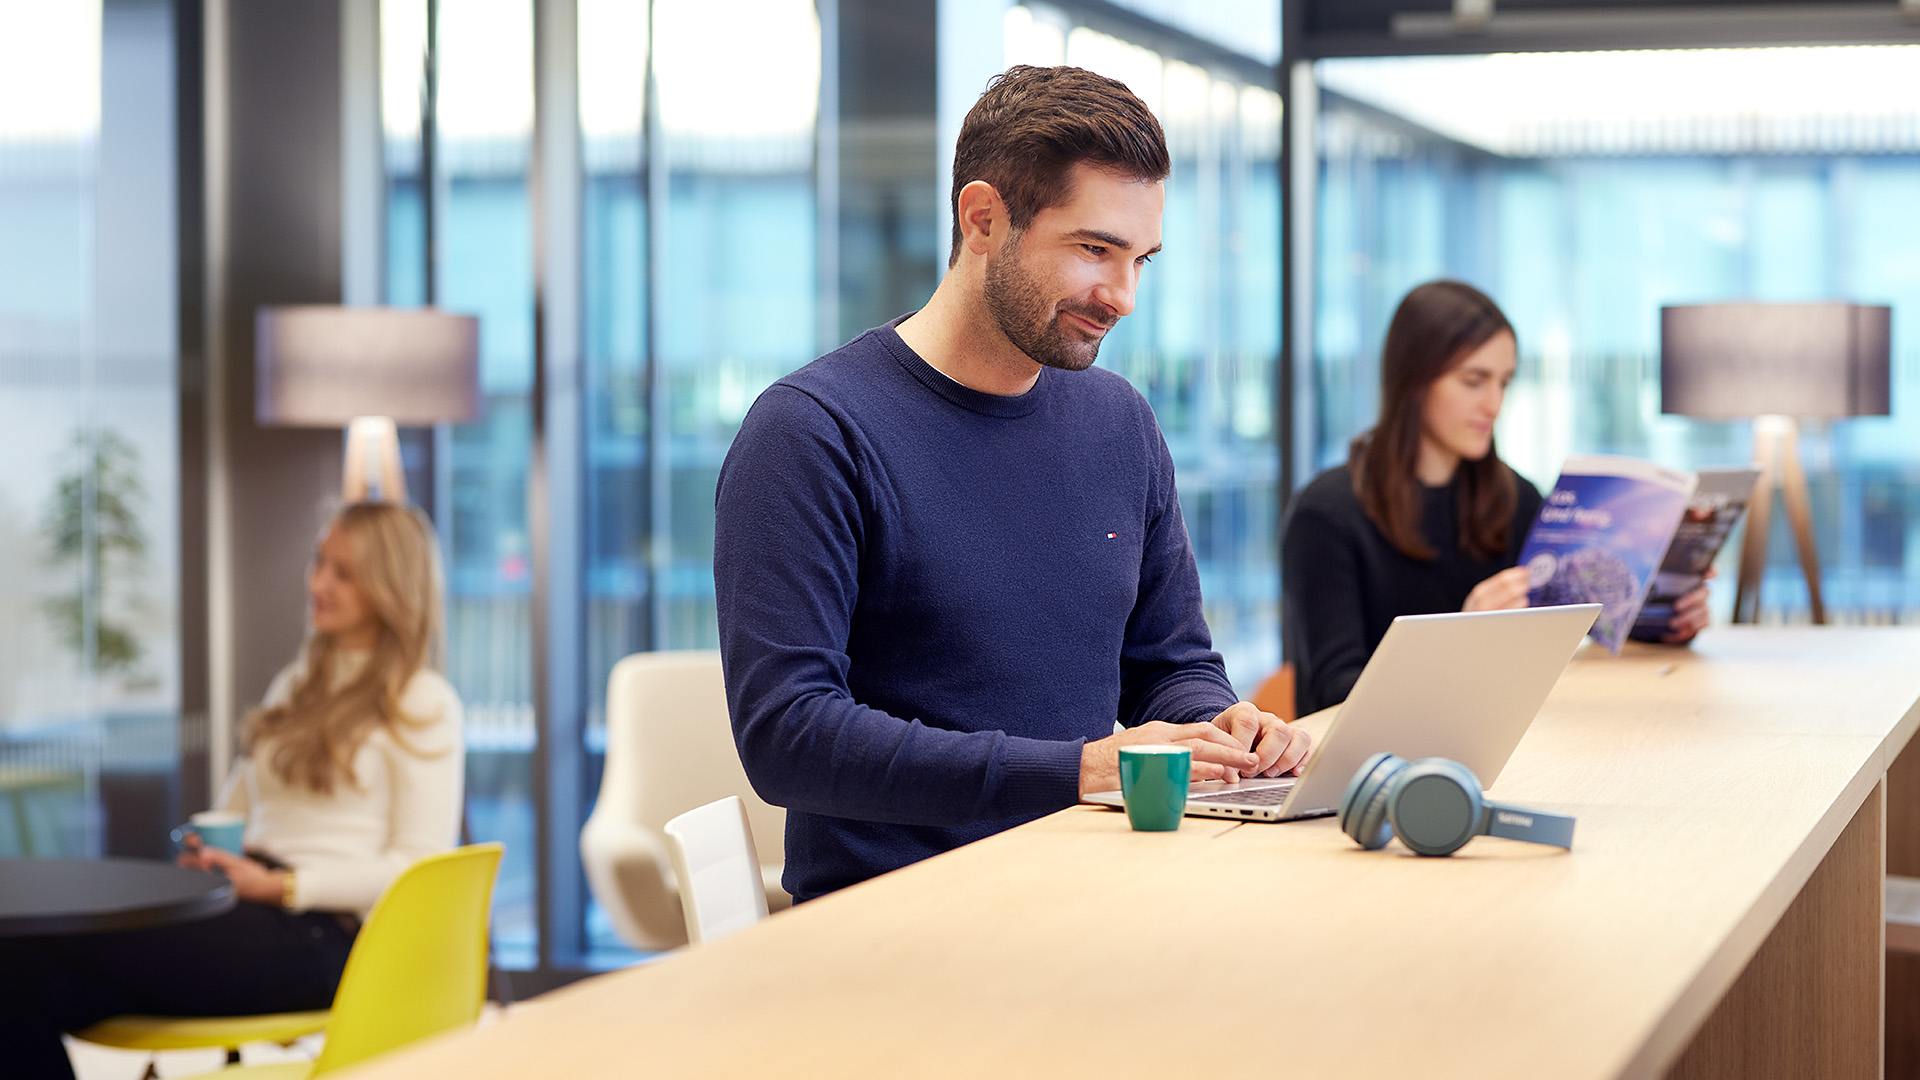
pixel 229 1033
pixel 418 968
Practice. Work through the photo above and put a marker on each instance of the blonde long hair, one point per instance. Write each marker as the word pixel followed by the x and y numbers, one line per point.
pixel 314 733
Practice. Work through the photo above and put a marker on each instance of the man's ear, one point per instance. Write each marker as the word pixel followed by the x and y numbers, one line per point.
pixel 983 218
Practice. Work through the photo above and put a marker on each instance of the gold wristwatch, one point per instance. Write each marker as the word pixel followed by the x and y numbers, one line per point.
pixel 286 889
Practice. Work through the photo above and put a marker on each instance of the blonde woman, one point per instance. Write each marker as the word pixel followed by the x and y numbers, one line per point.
pixel 352 770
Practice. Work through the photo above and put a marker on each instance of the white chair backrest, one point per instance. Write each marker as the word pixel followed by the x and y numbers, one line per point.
pixel 670 744
pixel 669 747
pixel 719 871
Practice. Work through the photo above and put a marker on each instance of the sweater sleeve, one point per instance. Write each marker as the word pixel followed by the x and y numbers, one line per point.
pixel 788 526
pixel 426 767
pixel 1320 578
pixel 1168 669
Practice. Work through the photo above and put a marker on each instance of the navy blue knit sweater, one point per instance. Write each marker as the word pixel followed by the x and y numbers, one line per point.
pixel 930 597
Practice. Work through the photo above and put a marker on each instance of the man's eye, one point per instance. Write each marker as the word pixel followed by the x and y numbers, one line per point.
pixel 1144 260
pixel 1094 250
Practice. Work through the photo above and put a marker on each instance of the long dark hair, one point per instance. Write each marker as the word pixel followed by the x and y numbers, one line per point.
pixel 1433 330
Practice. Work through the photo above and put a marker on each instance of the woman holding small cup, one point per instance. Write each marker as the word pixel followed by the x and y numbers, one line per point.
pixel 351 771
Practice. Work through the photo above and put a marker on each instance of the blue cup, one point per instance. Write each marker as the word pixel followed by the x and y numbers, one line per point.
pixel 1153 783
pixel 223 829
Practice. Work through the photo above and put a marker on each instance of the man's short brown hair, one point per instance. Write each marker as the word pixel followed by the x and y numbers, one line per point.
pixel 1034 124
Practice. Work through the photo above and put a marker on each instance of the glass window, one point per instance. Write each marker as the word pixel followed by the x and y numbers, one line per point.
pixel 1583 191
pixel 89 519
pixel 485 267
pixel 701 258
pixel 481 263
pixel 1203 342
pixel 614 55
pixel 403 72
pixel 714 215
pixel 736 259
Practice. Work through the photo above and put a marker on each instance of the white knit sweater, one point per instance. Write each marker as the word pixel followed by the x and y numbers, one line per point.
pixel 347 847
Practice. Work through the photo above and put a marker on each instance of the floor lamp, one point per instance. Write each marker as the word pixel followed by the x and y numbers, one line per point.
pixel 369 370
pixel 1775 364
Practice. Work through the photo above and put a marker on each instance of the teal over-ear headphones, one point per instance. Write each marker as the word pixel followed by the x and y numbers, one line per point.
pixel 1435 805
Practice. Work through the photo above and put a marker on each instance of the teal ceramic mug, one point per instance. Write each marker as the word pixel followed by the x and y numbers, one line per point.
pixel 223 829
pixel 1153 782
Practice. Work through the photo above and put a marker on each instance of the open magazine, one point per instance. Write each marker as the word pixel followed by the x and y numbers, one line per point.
pixel 1602 532
pixel 1718 501
pixel 1631 536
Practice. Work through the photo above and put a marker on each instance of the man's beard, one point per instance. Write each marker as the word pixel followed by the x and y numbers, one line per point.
pixel 1022 312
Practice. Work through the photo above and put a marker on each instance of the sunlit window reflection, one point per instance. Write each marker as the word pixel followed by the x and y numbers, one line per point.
pixel 1779 100
pixel 1030 40
pixel 49 70
pixel 739 83
pixel 403 56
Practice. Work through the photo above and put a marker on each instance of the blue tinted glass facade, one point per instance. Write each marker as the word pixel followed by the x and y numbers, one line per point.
pixel 1581 249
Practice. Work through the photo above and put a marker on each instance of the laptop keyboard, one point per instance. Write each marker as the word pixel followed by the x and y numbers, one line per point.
pixel 1260 796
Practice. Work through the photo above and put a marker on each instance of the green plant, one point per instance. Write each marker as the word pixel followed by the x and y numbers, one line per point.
pixel 92 524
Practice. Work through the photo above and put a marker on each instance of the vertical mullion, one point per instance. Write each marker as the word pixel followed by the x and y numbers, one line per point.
pixel 195 407
pixel 1298 173
pixel 430 157
pixel 653 173
pixel 826 179
pixel 554 482
pixel 439 466
pixel 1292 23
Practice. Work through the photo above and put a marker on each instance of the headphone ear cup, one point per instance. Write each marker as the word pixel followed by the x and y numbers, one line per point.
pixel 1374 828
pixel 1363 812
pixel 1433 806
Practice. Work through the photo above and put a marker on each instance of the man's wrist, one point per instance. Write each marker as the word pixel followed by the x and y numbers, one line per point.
pixel 1094 773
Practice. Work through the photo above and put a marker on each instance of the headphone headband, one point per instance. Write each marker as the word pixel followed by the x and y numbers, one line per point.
pixel 1531 826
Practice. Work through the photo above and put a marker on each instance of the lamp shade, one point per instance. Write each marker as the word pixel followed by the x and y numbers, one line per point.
pixel 322 366
pixel 1730 361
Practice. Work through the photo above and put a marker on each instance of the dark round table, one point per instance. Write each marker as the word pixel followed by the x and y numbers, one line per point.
pixel 43 897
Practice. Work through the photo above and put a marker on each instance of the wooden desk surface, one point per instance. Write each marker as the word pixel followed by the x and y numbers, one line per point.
pixel 1708 784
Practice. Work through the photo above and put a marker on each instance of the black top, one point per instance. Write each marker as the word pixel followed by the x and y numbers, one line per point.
pixel 71 896
pixel 1344 583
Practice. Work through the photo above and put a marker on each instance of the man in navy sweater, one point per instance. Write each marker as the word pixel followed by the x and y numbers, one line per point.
pixel 949 556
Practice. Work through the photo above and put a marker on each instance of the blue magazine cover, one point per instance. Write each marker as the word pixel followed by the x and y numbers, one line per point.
pixel 1601 535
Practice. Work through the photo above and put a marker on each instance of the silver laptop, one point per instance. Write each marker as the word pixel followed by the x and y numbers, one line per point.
pixel 1462 686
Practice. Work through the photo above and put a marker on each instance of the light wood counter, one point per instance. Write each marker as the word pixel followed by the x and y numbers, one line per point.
pixel 1719 915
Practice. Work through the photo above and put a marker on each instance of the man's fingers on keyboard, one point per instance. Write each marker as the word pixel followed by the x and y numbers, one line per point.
pixel 1210 735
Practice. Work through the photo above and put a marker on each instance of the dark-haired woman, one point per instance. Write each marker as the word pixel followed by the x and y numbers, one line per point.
pixel 1424 517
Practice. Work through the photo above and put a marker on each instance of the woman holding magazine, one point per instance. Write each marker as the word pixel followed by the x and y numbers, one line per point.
pixel 351 772
pixel 1424 517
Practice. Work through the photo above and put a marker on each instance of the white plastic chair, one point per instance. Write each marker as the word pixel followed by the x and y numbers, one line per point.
pixel 719 872
pixel 669 748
